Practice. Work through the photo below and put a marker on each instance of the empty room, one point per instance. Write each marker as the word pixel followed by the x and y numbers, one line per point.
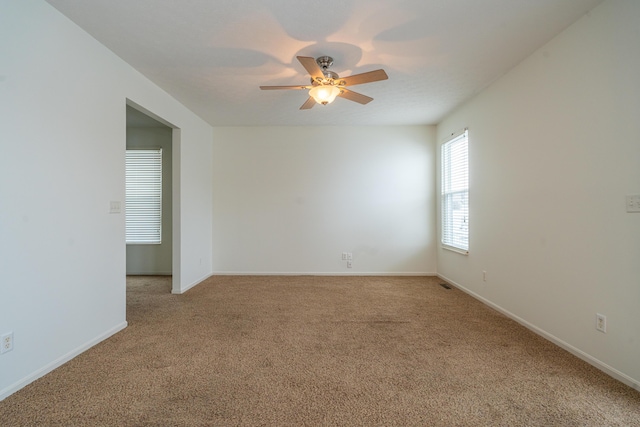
pixel 352 212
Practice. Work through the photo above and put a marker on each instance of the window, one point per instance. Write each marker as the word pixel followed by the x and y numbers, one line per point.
pixel 143 208
pixel 455 193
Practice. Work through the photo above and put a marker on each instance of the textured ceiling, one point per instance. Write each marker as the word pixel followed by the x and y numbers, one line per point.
pixel 212 55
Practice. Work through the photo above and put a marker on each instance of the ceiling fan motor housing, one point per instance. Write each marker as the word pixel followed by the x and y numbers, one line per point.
pixel 329 78
pixel 324 62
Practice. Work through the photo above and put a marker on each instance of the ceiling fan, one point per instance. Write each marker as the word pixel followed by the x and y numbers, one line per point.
pixel 326 85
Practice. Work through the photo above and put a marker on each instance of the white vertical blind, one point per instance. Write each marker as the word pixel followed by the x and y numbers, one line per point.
pixel 143 208
pixel 455 193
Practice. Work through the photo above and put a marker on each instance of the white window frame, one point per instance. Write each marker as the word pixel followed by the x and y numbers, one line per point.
pixel 143 206
pixel 454 202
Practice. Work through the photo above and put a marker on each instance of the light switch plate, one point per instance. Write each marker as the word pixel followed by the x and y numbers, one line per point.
pixel 114 207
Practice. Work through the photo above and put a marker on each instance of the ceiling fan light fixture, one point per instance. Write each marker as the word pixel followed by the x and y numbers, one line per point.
pixel 324 94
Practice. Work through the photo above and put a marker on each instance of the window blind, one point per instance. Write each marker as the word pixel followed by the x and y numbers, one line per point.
pixel 143 203
pixel 455 193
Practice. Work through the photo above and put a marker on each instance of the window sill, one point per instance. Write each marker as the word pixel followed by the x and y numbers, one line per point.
pixel 456 250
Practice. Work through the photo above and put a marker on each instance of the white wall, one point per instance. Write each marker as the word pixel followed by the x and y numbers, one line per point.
pixel 62 255
pixel 291 199
pixel 554 149
pixel 154 259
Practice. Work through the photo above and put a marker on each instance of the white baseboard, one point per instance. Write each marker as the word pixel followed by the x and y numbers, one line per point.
pixel 4 393
pixel 150 273
pixel 301 273
pixel 184 289
pixel 557 341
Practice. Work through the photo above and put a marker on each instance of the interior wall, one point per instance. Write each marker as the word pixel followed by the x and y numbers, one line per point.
pixel 154 259
pixel 291 200
pixel 62 253
pixel 554 150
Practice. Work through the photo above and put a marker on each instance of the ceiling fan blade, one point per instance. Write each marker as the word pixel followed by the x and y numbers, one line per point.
pixel 355 96
pixel 311 66
pixel 284 87
pixel 309 103
pixel 368 77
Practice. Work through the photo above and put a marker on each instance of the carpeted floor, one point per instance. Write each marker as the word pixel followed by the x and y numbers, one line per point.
pixel 320 351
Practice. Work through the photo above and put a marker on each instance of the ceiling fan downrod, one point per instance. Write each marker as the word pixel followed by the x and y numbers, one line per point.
pixel 324 62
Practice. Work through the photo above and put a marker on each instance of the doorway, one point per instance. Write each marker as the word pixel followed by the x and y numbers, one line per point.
pixel 144 131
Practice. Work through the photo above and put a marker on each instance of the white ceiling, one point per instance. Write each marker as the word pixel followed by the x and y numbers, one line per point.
pixel 212 55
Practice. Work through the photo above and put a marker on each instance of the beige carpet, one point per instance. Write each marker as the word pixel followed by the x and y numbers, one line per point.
pixel 320 351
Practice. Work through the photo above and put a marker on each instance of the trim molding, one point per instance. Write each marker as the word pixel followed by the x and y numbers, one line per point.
pixel 150 273
pixel 186 288
pixel 305 273
pixel 612 372
pixel 59 362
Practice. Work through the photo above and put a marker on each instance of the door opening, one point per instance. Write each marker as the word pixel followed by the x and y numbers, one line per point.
pixel 145 133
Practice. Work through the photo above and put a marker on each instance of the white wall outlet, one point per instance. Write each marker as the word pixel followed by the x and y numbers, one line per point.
pixel 7 342
pixel 344 256
pixel 349 255
pixel 349 265
pixel 484 276
pixel 601 322
pixel 633 203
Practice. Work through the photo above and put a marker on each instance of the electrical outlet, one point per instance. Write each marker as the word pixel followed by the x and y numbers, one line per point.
pixel 633 203
pixel 349 255
pixel 7 342
pixel 344 256
pixel 601 322
pixel 349 264
pixel 484 276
